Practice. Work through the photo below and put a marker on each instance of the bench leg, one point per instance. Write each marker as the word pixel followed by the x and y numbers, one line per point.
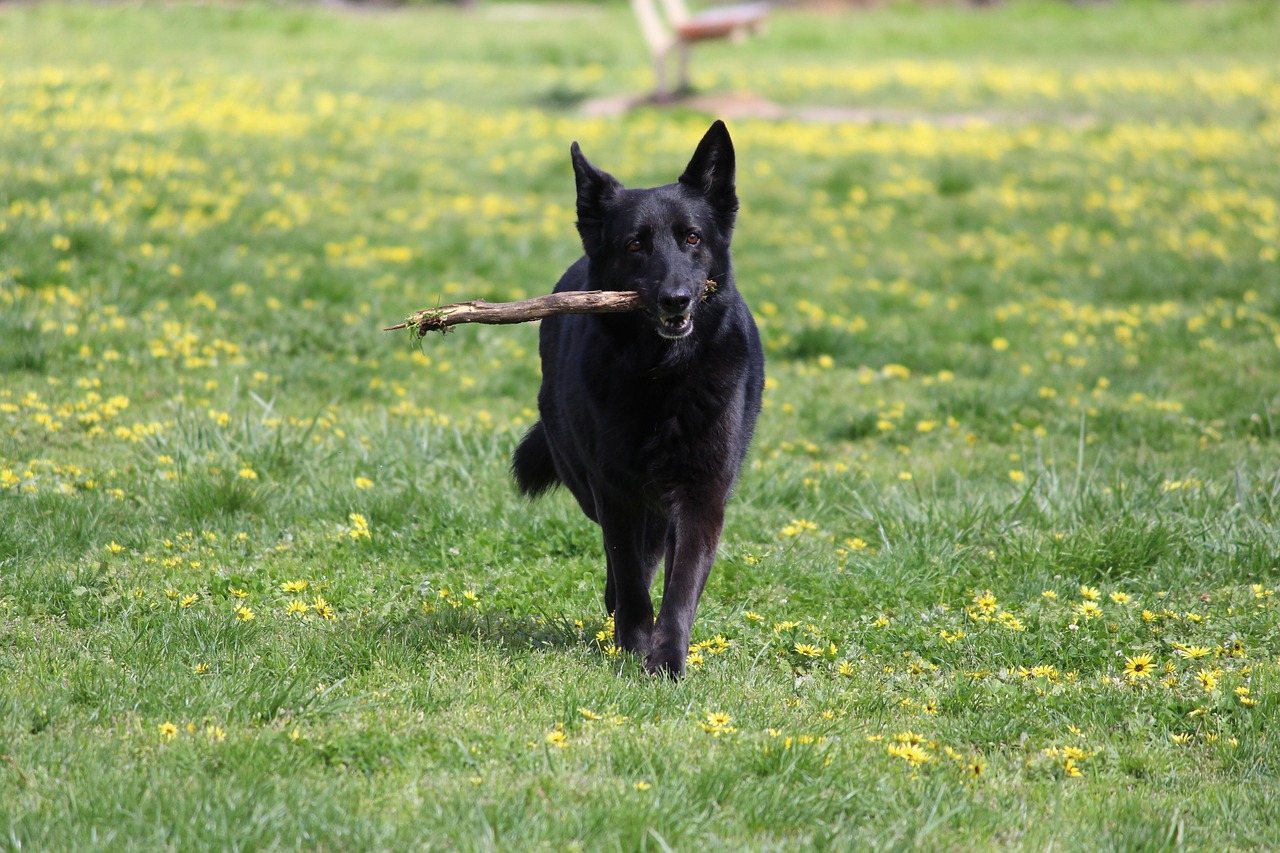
pixel 684 85
pixel 660 91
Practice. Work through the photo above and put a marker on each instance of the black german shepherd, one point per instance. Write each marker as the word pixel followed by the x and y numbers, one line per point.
pixel 646 416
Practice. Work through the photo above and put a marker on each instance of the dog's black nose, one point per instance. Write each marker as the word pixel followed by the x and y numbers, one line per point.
pixel 675 303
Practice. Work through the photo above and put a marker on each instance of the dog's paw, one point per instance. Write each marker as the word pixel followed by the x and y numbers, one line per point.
pixel 633 638
pixel 668 662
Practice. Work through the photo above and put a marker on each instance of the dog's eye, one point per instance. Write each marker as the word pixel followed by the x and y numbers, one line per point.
pixel 693 238
pixel 635 246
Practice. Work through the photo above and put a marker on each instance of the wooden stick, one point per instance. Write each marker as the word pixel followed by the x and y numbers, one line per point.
pixel 500 313
pixel 526 310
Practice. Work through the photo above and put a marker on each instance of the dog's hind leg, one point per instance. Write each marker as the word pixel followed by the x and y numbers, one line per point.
pixel 633 544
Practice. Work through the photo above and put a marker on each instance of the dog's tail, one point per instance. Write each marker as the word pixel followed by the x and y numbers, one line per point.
pixel 532 465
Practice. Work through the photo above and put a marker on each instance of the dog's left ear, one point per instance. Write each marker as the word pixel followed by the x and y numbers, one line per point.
pixel 596 189
pixel 711 171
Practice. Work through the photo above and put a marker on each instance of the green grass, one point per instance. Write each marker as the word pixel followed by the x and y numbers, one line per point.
pixel 1000 572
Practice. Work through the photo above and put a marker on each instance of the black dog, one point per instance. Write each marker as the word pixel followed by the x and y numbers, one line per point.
pixel 647 416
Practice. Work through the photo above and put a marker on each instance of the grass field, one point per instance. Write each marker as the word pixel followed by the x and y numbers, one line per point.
pixel 1001 570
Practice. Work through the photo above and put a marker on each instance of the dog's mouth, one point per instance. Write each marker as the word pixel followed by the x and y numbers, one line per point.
pixel 674 326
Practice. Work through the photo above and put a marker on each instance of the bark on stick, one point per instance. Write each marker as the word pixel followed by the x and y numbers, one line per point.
pixel 524 311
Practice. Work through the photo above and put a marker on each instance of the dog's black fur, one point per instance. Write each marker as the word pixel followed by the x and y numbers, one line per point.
pixel 646 416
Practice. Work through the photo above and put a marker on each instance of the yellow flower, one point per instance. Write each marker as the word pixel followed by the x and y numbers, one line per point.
pixel 643 785
pixel 718 723
pixel 293 586
pixel 1088 610
pixel 1137 667
pixel 985 602
pixel 248 473
pixel 168 731
pixel 797 526
pixel 1089 593
pixel 364 483
pixel 243 613
pixel 912 753
pixel 558 739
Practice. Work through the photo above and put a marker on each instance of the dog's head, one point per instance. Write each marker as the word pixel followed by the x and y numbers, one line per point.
pixel 665 242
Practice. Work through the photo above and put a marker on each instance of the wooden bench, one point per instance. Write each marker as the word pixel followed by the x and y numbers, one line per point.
pixel 681 30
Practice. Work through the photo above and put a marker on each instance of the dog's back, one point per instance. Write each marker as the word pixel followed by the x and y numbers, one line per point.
pixel 646 417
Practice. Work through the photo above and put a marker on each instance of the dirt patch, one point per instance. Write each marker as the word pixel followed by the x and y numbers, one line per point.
pixel 744 105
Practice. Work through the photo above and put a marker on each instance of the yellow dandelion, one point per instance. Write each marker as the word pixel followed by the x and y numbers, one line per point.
pixel 168 731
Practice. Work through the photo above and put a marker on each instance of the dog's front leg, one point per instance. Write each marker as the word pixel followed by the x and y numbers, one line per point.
pixel 633 548
pixel 690 553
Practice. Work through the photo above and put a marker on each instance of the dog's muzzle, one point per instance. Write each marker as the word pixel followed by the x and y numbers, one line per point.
pixel 674 326
pixel 675 314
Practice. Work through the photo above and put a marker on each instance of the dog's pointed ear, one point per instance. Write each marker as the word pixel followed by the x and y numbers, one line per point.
pixel 711 171
pixel 596 188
